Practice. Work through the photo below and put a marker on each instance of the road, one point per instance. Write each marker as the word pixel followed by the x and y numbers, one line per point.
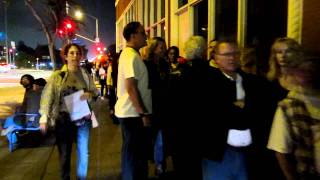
pixel 12 78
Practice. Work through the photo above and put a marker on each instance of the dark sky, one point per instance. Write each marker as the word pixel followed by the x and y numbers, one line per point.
pixel 23 26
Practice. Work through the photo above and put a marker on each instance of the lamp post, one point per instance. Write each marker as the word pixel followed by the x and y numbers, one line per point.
pixel 37 63
pixel 79 15
pixel 6 30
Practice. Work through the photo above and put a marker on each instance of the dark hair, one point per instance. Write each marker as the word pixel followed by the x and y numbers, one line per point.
pixel 40 82
pixel 66 48
pixel 29 77
pixel 130 28
pixel 217 47
pixel 174 48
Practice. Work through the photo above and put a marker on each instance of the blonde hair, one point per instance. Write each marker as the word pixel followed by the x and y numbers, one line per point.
pixel 195 47
pixel 152 45
pixel 274 71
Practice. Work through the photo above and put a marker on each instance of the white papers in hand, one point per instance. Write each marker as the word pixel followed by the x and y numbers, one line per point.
pixel 239 138
pixel 76 107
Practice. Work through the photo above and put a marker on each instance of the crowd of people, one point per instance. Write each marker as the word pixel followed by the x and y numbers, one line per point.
pixel 215 117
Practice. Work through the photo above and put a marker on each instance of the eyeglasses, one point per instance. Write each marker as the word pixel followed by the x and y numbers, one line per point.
pixel 229 54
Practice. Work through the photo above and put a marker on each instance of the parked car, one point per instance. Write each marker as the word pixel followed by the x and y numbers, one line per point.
pixel 4 67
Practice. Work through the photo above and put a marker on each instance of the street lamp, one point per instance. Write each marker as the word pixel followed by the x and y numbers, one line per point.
pixel 78 14
pixel 37 63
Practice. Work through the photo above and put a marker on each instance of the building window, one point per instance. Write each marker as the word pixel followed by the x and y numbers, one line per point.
pixel 267 20
pixel 201 19
pixel 163 8
pixel 163 30
pixel 148 15
pixel 155 12
pixel 226 19
pixel 155 33
pixel 182 3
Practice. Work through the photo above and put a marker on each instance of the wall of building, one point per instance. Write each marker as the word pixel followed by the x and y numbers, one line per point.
pixel 311 26
pixel 176 23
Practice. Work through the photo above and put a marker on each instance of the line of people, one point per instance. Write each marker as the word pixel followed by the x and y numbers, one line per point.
pixel 213 117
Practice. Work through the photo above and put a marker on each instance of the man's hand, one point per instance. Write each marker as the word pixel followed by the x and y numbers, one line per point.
pixel 239 103
pixel 43 127
pixel 146 121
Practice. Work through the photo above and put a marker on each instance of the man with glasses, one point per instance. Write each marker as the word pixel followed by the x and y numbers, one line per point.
pixel 237 103
pixel 133 106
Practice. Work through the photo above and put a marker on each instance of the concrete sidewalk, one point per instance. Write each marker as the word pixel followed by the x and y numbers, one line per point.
pixel 43 162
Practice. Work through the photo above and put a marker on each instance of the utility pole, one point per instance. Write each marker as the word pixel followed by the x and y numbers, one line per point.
pixel 6 29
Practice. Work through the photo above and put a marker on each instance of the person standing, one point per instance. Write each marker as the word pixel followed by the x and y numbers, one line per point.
pixel 71 78
pixel 102 78
pixel 235 132
pixel 295 132
pixel 133 106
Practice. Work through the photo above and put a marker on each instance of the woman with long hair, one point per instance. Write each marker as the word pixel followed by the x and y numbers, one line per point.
pixel 53 109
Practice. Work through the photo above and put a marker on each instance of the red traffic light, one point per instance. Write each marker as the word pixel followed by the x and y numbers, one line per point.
pixel 67 27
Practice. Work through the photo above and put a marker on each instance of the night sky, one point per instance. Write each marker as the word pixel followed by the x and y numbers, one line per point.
pixel 22 26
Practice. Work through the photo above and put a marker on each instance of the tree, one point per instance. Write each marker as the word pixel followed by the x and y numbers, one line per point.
pixel 50 15
pixel 24 60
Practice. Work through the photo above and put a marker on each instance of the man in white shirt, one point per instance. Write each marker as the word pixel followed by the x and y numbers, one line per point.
pixel 133 106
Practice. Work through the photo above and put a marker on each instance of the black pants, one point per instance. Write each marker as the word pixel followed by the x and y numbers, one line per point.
pixel 134 160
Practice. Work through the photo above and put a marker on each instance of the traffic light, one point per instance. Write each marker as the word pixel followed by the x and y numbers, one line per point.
pixel 67 28
pixel 99 48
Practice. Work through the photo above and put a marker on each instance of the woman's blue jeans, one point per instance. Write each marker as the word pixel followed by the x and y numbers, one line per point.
pixel 66 134
pixel 83 136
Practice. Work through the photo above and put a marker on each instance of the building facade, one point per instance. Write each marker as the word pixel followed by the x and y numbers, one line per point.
pixel 251 23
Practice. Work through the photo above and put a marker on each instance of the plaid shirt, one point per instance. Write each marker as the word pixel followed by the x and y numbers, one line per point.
pixel 300 129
